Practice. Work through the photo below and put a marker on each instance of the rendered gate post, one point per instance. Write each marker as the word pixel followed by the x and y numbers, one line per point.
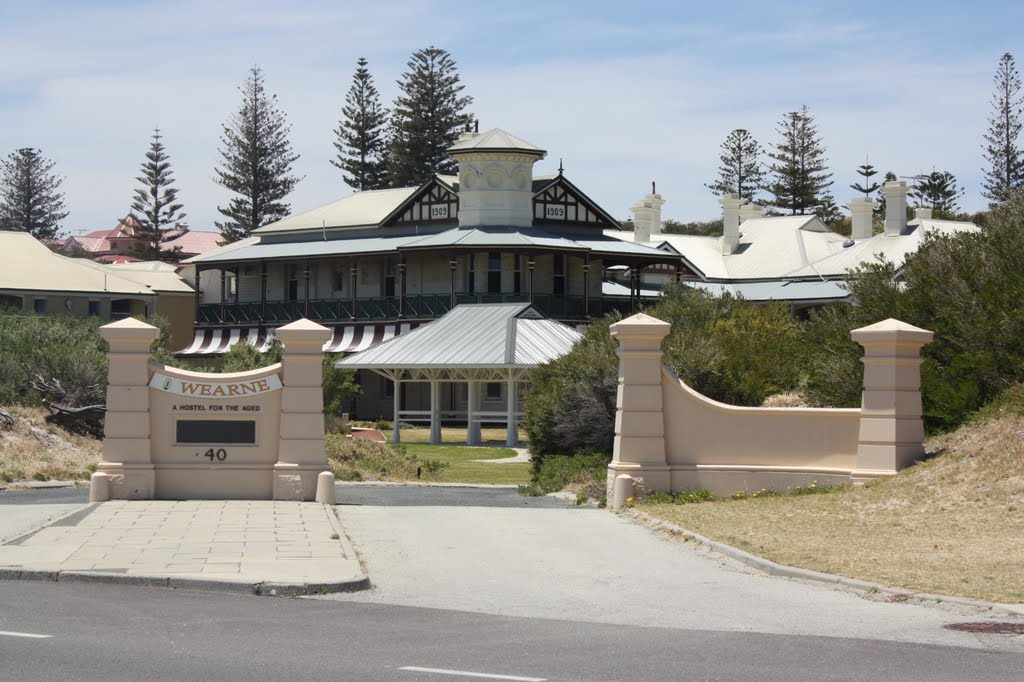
pixel 126 464
pixel 301 455
pixel 891 430
pixel 639 419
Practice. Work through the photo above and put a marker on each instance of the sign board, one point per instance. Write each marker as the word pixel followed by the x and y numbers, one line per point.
pixel 214 390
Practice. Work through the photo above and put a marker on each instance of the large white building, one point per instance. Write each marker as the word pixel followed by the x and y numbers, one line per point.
pixel 376 264
pixel 793 258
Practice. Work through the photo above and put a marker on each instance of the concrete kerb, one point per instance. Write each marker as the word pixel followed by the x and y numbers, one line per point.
pixel 782 571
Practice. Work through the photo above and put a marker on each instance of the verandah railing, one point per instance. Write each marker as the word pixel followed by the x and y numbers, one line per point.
pixel 387 308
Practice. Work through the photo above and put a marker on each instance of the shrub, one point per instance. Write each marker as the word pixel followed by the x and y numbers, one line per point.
pixel 585 474
pixel 967 289
pixel 727 348
pixel 571 403
pixel 56 358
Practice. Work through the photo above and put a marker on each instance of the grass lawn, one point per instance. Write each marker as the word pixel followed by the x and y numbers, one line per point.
pixel 953 524
pixel 461 467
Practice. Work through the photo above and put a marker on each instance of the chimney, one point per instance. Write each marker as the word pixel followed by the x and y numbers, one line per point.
pixel 750 211
pixel 862 214
pixel 922 213
pixel 647 216
pixel 895 193
pixel 730 222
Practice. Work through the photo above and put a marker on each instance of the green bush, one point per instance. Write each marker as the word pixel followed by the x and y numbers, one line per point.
pixel 966 288
pixel 66 353
pixel 571 403
pixel 729 349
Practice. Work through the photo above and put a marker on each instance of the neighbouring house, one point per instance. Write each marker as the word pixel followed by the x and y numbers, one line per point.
pixel 376 264
pixel 122 245
pixel 34 278
pixel 793 258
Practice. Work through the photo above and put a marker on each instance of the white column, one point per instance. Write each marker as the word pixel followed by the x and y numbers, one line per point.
pixel 396 436
pixel 472 403
pixel 511 430
pixel 435 412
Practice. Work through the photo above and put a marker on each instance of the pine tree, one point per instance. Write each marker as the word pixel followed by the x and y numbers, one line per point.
pixel 828 211
pixel 740 172
pixel 866 171
pixel 1006 159
pixel 426 119
pixel 30 196
pixel 155 204
pixel 257 161
pixel 360 134
pixel 938 191
pixel 800 173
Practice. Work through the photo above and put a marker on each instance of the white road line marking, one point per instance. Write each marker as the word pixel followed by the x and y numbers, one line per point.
pixel 464 673
pixel 30 635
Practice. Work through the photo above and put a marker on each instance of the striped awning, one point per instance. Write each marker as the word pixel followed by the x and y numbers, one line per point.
pixel 217 341
pixel 347 338
pixel 351 338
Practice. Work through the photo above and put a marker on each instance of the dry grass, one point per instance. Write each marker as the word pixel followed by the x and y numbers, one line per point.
pixel 953 524
pixel 35 451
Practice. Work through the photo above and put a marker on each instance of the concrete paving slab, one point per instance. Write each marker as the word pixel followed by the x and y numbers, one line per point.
pixel 293 547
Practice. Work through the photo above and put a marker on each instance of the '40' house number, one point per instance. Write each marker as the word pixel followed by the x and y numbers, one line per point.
pixel 218 455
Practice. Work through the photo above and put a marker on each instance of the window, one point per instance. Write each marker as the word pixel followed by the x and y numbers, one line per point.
pixel 389 387
pixel 389 277
pixel 558 283
pixel 293 282
pixel 471 273
pixel 120 309
pixel 94 308
pixel 338 275
pixel 493 391
pixel 40 306
pixel 494 272
pixel 517 275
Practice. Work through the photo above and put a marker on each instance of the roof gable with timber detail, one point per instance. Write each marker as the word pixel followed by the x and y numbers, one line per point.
pixel 435 202
pixel 559 202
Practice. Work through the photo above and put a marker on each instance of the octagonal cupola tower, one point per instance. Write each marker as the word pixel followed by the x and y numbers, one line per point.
pixel 495 178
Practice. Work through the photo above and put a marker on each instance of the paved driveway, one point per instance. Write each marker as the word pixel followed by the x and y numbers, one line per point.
pixel 591 565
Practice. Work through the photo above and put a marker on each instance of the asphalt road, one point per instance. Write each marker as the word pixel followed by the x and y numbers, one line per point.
pixel 121 633
pixel 348 494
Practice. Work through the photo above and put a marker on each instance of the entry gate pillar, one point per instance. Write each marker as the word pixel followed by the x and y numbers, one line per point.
pixel 126 465
pixel 301 455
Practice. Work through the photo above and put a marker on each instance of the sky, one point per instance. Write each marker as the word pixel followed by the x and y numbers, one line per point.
pixel 624 93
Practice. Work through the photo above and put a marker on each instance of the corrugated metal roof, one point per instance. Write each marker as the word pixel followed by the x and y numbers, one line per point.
pixel 478 237
pixel 26 264
pixel 477 335
pixel 495 236
pixel 791 247
pixel 494 139
pixel 360 208
pixel 310 249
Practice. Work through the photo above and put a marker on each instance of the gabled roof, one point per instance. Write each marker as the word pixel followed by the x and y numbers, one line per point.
pixel 486 335
pixel 193 242
pixel 894 249
pixel 359 209
pixel 27 265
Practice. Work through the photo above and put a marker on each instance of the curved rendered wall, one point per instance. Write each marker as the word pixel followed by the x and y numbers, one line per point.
pixel 676 439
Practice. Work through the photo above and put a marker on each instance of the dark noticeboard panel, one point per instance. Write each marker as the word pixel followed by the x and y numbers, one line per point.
pixel 216 432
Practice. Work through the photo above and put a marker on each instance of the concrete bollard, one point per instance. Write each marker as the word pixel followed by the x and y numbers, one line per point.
pixel 622 491
pixel 325 491
pixel 99 487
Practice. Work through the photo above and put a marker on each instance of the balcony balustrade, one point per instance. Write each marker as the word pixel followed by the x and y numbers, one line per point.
pixel 391 308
